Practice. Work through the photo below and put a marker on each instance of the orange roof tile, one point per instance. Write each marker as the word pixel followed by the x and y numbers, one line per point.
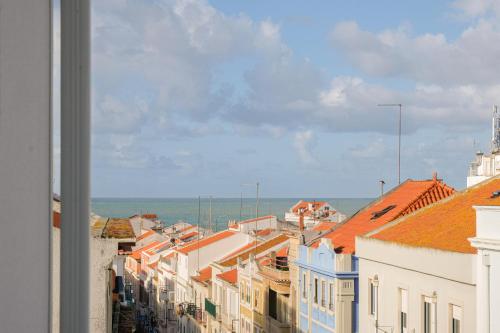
pixel 268 217
pixel 56 220
pixel 445 225
pixel 206 241
pixel 240 250
pixel 145 235
pixel 230 276
pixel 324 226
pixel 264 232
pixel 187 228
pixel 305 205
pixel 136 254
pixel 153 265
pixel 204 275
pixel 262 247
pixel 150 216
pixel 402 200
pixel 188 235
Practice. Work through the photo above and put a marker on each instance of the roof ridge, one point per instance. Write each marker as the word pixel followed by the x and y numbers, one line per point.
pixel 422 210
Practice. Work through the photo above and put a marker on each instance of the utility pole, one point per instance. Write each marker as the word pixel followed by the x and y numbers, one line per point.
pixel 399 139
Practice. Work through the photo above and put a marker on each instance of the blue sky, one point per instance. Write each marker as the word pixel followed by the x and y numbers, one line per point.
pixel 198 97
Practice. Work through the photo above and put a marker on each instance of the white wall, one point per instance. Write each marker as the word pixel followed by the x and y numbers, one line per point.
pixel 422 272
pixel 25 172
pixel 487 241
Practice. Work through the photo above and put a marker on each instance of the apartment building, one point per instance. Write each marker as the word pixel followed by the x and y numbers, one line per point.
pixel 313 212
pixel 328 266
pixel 419 273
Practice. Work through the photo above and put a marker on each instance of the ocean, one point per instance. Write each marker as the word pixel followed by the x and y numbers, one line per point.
pixel 172 210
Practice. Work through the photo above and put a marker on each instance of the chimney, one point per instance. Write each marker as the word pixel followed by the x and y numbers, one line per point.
pixel 434 176
pixel 301 220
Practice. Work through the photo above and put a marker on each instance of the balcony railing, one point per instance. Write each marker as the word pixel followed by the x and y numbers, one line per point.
pixel 211 308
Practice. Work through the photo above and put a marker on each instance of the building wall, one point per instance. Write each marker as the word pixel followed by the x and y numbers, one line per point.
pixel 487 241
pixel 447 277
pixel 25 172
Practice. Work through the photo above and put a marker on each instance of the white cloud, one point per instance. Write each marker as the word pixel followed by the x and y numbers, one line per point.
pixel 304 145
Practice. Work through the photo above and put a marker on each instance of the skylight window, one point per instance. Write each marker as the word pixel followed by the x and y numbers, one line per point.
pixel 377 214
pixel 495 194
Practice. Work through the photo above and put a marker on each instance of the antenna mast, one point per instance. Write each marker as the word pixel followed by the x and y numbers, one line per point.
pixel 495 130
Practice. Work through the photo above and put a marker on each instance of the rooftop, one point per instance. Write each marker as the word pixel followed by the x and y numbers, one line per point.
pixel 262 247
pixel 445 225
pixel 315 205
pixel 195 245
pixel 230 276
pixel 136 254
pixel 145 235
pixel 204 275
pixel 188 235
pixel 402 200
pixel 112 228
pixel 267 217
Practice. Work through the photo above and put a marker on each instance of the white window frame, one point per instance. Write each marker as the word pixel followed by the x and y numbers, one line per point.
pixel 323 292
pixel 403 308
pixel 304 293
pixel 456 313
pixel 373 285
pixel 315 291
pixel 431 300
pixel 331 296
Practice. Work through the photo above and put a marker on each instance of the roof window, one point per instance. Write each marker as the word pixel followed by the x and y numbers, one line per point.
pixel 377 214
pixel 495 194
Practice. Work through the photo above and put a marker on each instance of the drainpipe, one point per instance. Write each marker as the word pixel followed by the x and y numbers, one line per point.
pixel 486 263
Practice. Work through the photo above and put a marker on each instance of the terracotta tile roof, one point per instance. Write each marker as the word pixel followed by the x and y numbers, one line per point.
pixel 153 265
pixel 268 217
pixel 150 216
pixel 445 225
pixel 145 235
pixel 136 254
pixel 159 247
pixel 188 235
pixel 305 205
pixel 204 275
pixel 242 249
pixel 230 276
pixel 402 200
pixel 206 241
pixel 56 220
pixel 283 252
pixel 264 232
pixel 262 247
pixel 324 226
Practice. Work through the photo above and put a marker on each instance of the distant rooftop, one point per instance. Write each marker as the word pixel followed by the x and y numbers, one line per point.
pixel 112 228
pixel 195 245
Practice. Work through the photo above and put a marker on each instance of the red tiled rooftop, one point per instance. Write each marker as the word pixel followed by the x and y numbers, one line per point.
pixel 405 198
pixel 305 205
pixel 188 235
pixel 262 247
pixel 206 241
pixel 264 232
pixel 240 250
pixel 145 235
pixel 446 225
pixel 150 216
pixel 324 226
pixel 204 275
pixel 283 252
pixel 230 276
pixel 268 217
pixel 187 228
pixel 56 221
pixel 136 254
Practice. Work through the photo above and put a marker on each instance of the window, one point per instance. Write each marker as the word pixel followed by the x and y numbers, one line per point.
pixel 256 298
pixel 403 310
pixel 332 297
pixel 429 315
pixel 456 319
pixel 315 290
pixel 304 285
pixel 249 294
pixel 242 288
pixel 377 214
pixel 323 293
pixel 373 297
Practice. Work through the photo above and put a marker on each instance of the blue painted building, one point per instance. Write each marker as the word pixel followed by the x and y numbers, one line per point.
pixel 327 300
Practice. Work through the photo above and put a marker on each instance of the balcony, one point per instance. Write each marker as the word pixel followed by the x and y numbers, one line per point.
pixel 211 308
